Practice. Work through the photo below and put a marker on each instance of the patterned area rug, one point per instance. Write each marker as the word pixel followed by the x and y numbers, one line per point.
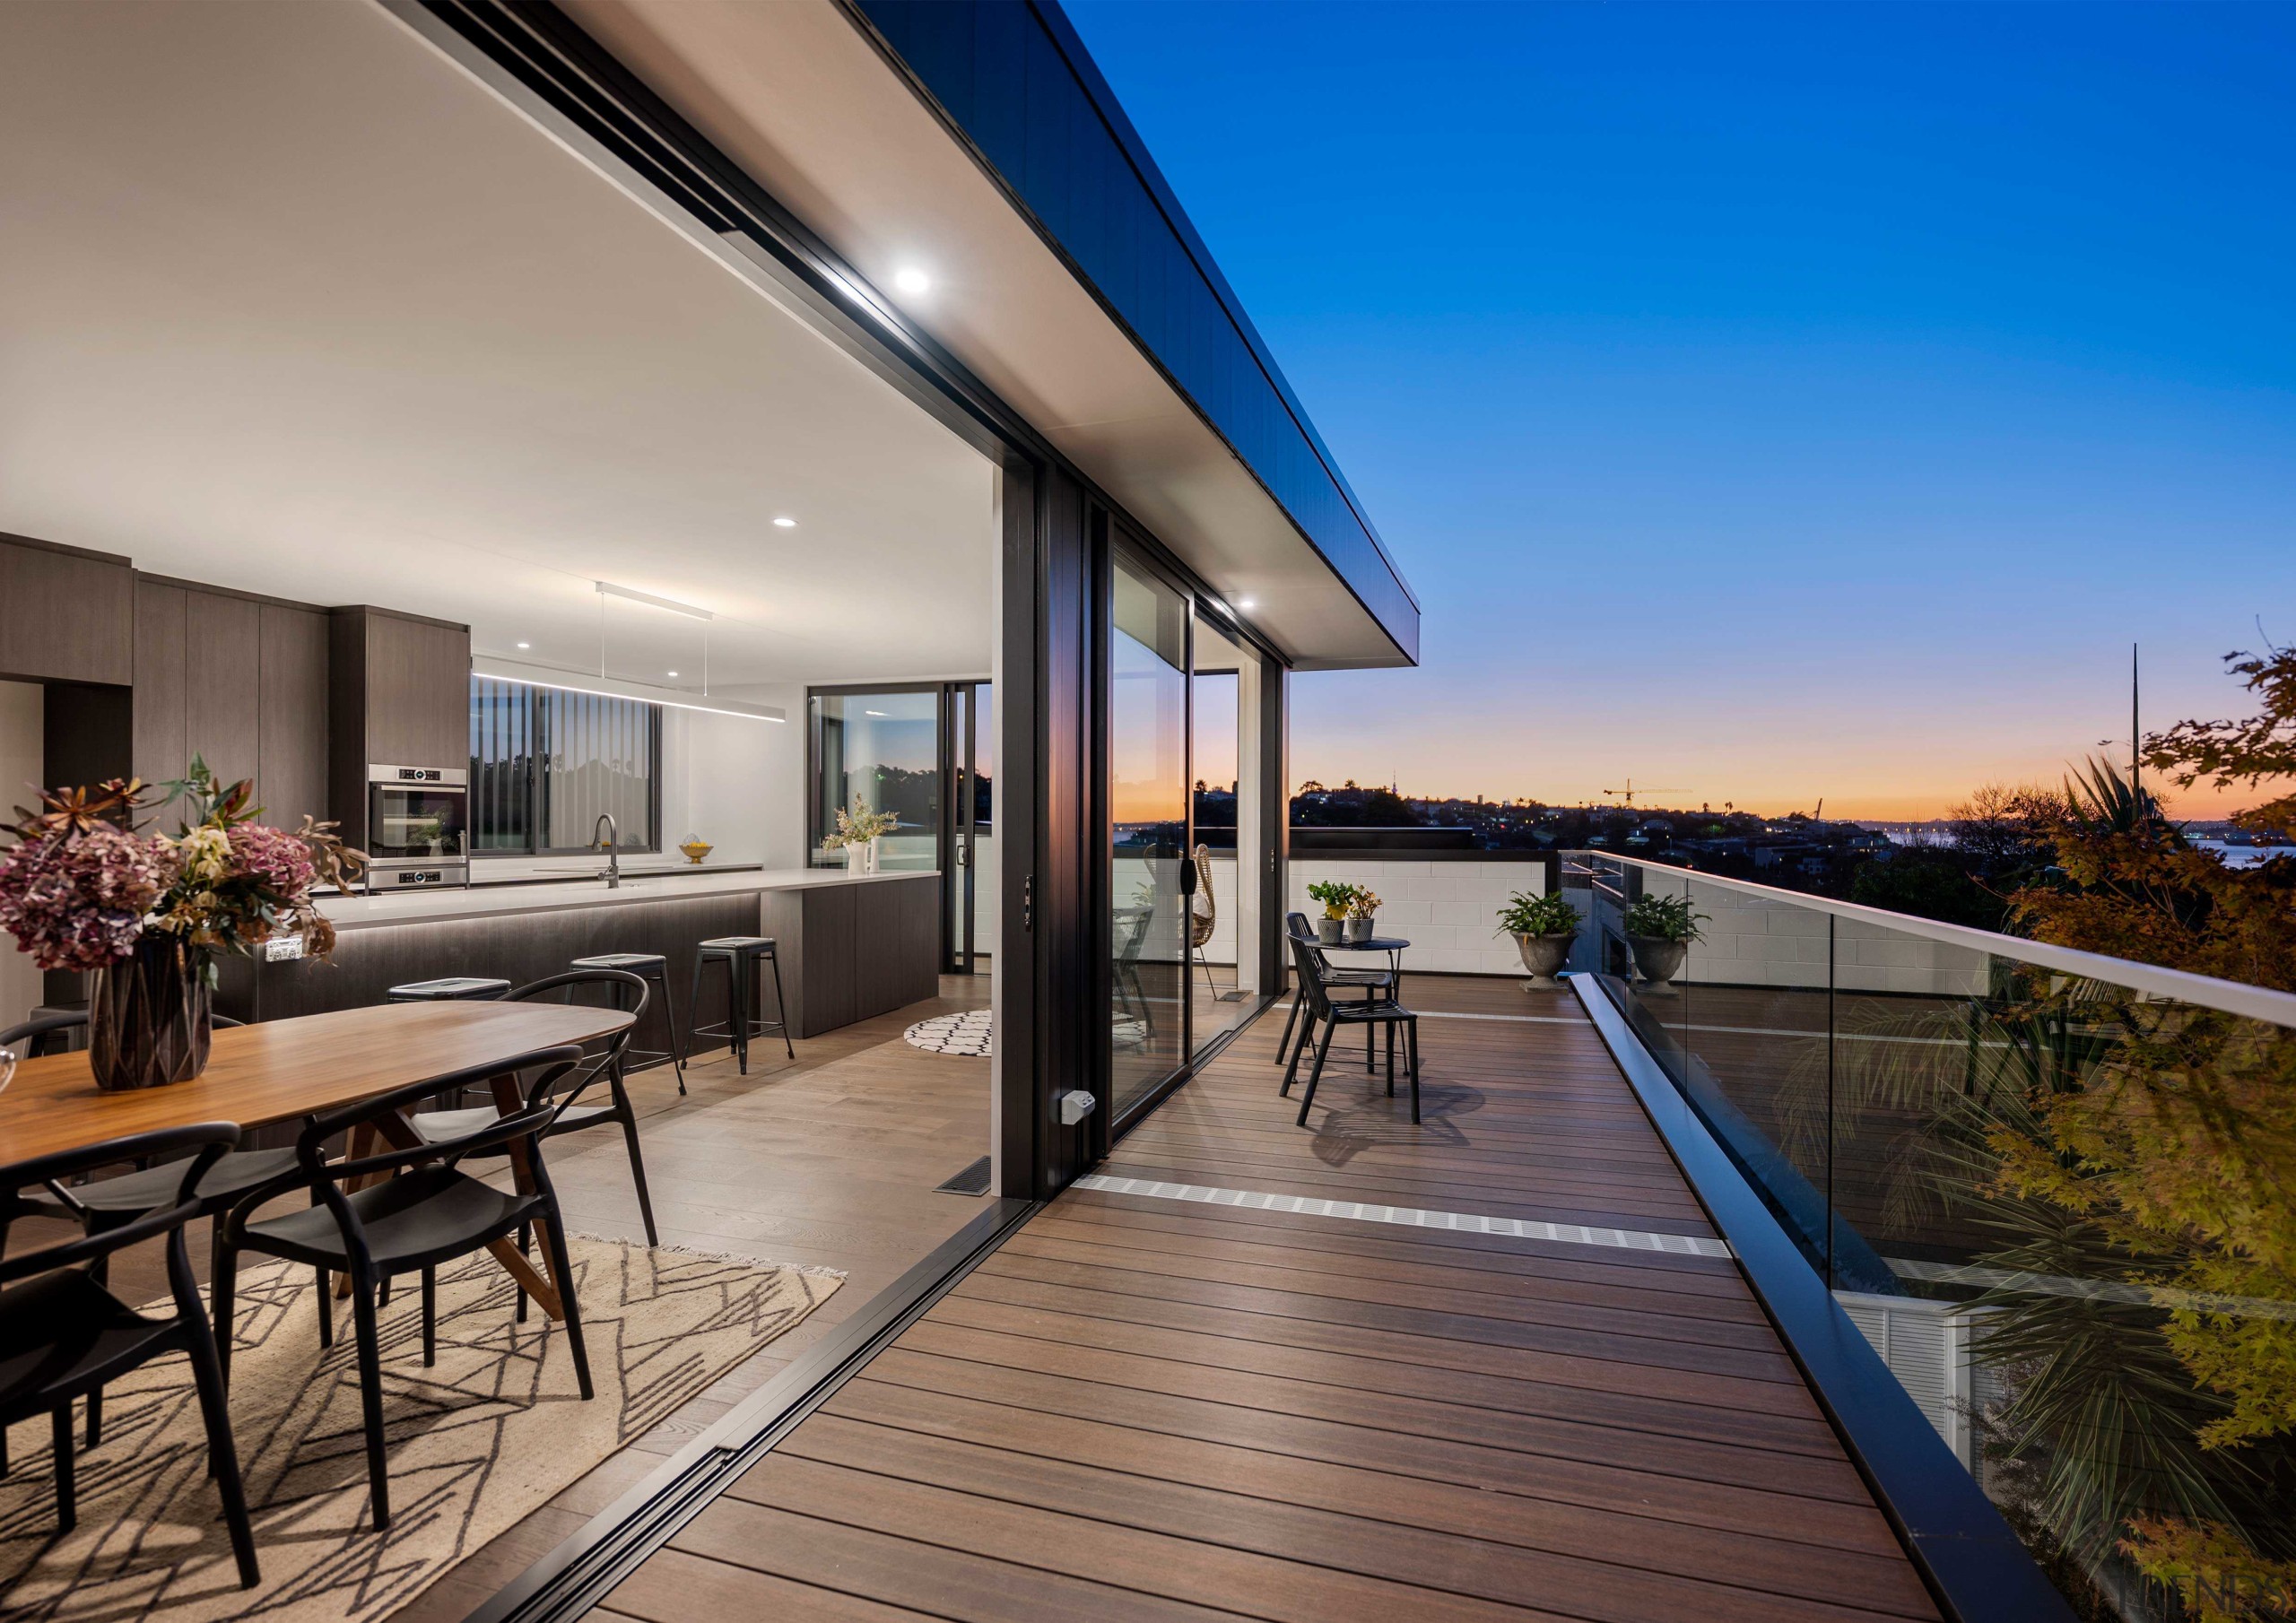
pixel 966 1034
pixel 476 1442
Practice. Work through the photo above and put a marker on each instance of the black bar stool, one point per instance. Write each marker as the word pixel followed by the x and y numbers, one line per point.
pixel 647 967
pixel 448 989
pixel 741 955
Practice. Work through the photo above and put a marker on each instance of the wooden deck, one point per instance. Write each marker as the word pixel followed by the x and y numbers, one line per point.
pixel 1157 1407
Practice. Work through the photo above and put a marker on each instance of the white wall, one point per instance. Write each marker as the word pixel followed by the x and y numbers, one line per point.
pixel 22 740
pixel 1448 909
pixel 1759 941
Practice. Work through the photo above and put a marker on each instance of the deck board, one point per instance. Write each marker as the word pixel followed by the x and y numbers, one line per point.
pixel 1143 1406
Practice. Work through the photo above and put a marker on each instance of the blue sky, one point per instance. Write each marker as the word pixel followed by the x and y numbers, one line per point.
pixel 1766 403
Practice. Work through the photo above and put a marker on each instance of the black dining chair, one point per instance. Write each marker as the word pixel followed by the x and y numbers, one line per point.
pixel 411 1208
pixel 107 1204
pixel 1371 1013
pixel 608 1063
pixel 1371 983
pixel 63 1336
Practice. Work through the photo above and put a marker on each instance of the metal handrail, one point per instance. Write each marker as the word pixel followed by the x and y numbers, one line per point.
pixel 2205 991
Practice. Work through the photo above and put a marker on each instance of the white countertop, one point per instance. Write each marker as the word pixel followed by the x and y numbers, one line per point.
pixel 436 906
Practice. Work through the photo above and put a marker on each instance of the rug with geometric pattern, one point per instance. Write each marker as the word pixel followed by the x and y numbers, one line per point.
pixel 477 1442
pixel 971 1033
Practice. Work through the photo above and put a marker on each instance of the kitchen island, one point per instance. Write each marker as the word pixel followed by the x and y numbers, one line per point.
pixel 849 947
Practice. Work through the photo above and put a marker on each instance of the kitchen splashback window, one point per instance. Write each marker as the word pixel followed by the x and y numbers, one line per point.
pixel 545 763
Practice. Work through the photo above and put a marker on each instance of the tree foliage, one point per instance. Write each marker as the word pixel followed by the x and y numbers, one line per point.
pixel 2177 1150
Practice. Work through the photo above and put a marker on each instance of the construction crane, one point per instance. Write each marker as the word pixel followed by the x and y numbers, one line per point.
pixel 1629 792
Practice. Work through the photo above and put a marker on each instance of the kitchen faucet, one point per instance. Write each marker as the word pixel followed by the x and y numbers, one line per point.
pixel 612 871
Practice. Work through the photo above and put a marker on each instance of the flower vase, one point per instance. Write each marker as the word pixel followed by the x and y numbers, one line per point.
pixel 149 1016
pixel 861 856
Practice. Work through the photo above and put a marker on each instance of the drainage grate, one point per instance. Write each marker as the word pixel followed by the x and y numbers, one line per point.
pixel 972 1180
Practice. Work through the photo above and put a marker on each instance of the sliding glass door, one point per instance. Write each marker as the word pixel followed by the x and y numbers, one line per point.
pixel 1230 857
pixel 1148 815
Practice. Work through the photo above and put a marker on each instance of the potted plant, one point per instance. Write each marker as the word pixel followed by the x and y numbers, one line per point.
pixel 1362 914
pixel 1544 928
pixel 1334 894
pixel 146 916
pixel 1661 930
pixel 858 830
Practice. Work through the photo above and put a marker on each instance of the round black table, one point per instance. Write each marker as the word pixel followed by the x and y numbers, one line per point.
pixel 1392 946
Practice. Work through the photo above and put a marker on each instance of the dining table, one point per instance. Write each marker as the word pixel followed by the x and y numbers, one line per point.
pixel 282 1071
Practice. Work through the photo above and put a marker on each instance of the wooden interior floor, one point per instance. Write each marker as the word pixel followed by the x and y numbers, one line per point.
pixel 829 1159
pixel 1148 1408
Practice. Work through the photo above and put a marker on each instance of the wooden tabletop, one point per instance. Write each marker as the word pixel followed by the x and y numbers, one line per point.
pixel 281 1070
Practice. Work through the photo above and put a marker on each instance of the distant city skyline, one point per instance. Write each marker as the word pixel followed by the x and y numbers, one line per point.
pixel 1768 404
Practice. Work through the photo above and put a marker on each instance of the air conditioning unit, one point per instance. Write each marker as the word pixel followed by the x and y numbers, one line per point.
pixel 1927 1344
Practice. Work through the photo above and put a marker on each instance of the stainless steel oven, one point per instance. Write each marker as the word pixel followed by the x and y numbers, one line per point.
pixel 417 823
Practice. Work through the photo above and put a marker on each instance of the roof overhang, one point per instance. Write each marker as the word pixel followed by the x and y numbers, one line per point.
pixel 814 103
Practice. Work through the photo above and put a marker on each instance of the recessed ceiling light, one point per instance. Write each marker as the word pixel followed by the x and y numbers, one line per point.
pixel 526 645
pixel 908 279
pixel 673 672
pixel 1248 602
pixel 784 523
pixel 873 712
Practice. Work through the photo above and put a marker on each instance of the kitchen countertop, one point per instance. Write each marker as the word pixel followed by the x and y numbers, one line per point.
pixel 436 906
pixel 670 870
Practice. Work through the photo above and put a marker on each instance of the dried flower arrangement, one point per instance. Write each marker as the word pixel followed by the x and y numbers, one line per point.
pixel 81 885
pixel 859 825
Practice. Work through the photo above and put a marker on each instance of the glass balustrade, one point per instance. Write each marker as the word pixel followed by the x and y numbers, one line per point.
pixel 2057 1203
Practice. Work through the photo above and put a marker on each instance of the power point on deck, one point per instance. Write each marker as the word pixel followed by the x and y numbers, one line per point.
pixel 1075 1105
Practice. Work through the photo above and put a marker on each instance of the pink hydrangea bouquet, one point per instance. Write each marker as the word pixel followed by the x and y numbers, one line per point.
pixel 82 886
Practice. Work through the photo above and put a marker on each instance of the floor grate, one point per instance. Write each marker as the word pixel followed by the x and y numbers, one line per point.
pixel 972 1180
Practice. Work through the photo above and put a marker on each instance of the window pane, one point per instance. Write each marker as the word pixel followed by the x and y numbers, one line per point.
pixel 501 765
pixel 598 759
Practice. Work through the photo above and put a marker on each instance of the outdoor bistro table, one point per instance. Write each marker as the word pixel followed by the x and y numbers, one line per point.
pixel 1392 946
pixel 282 1071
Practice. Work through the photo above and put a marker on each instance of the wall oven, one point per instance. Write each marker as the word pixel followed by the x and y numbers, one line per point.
pixel 417 822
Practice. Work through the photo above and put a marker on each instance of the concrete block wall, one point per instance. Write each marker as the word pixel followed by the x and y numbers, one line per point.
pixel 1757 941
pixel 1448 909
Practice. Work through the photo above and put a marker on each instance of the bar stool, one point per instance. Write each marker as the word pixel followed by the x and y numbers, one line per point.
pixel 647 967
pixel 741 955
pixel 449 989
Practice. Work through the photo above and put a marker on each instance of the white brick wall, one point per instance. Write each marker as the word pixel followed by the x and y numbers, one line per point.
pixel 1448 909
pixel 1754 941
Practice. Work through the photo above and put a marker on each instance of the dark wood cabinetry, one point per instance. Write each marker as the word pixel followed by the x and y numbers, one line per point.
pixel 291 714
pixel 239 680
pixel 853 950
pixel 65 614
pixel 399 696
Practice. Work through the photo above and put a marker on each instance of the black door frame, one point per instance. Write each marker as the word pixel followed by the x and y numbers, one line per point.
pixel 953 825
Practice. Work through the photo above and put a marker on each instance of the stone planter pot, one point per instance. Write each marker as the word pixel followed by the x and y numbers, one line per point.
pixel 149 1017
pixel 1362 929
pixel 1542 955
pixel 1659 961
pixel 1331 932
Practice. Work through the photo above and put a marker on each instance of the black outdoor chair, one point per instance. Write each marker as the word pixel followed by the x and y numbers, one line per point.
pixel 108 1203
pixel 1372 983
pixel 627 993
pixel 63 1336
pixel 424 1211
pixel 1371 1013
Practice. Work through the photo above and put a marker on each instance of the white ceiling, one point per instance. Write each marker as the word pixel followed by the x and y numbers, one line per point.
pixel 289 304
pixel 793 91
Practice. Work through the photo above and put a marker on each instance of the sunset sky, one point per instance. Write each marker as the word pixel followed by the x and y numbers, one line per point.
pixel 1766 404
